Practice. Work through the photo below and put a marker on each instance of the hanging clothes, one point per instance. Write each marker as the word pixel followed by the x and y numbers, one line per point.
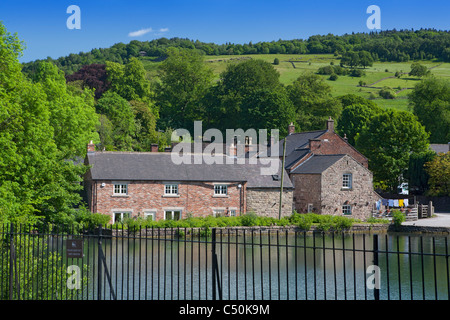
pixel 378 204
pixel 384 202
pixel 400 202
pixel 395 202
pixel 391 203
pixel 405 202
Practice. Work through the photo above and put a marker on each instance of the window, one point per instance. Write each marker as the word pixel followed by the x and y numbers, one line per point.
pixel 347 181
pixel 232 212
pixel 120 189
pixel 149 215
pixel 172 214
pixel 171 189
pixel 220 189
pixel 310 207
pixel 119 217
pixel 347 209
pixel 218 212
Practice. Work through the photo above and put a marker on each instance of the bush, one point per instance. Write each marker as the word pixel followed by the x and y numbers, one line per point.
pixel 387 93
pixel 333 77
pixel 398 218
pixel 249 219
pixel 357 73
pixel 276 61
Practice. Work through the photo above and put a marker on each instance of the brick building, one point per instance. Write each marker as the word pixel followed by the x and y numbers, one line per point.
pixel 143 184
pixel 328 174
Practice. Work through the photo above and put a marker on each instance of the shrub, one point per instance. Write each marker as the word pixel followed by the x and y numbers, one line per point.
pixel 249 219
pixel 398 218
pixel 357 73
pixel 387 93
pixel 333 77
pixel 276 61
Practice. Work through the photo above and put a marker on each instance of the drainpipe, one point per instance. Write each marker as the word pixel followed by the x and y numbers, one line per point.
pixel 282 176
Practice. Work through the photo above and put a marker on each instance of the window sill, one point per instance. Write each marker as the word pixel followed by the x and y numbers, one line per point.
pixel 171 196
pixel 346 189
pixel 120 195
pixel 220 196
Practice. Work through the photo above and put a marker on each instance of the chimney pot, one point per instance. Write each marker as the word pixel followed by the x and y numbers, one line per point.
pixel 91 147
pixel 291 128
pixel 330 125
pixel 154 147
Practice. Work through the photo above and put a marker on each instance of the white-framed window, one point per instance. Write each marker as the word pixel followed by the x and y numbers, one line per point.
pixel 218 212
pixel 172 214
pixel 220 189
pixel 119 217
pixel 347 181
pixel 232 212
pixel 347 209
pixel 120 189
pixel 310 207
pixel 150 215
pixel 171 189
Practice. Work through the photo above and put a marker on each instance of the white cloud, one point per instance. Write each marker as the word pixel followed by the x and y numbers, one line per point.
pixel 139 32
pixel 164 30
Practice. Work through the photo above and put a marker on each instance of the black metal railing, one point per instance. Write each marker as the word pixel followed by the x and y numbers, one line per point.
pixel 43 263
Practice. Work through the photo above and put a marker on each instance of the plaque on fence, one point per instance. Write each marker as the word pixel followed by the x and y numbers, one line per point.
pixel 74 248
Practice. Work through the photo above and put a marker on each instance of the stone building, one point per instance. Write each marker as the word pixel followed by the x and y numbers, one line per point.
pixel 143 184
pixel 328 174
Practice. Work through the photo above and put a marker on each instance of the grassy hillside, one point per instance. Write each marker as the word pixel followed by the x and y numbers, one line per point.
pixel 381 74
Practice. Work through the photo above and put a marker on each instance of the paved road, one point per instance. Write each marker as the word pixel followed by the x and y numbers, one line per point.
pixel 442 219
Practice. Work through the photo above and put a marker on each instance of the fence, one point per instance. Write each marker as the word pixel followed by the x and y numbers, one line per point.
pixel 224 263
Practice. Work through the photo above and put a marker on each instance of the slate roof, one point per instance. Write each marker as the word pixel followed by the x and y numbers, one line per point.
pixel 438 148
pixel 317 164
pixel 160 167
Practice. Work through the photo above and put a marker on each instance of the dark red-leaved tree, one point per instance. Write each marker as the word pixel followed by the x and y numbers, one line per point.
pixel 94 76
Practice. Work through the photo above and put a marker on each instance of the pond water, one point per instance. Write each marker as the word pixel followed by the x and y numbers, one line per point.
pixel 277 266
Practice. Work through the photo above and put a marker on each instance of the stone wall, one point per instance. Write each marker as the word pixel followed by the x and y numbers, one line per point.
pixel 360 196
pixel 307 191
pixel 265 202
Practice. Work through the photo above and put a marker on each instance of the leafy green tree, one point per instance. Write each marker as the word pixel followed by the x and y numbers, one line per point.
pixel 35 177
pixel 72 116
pixel 365 59
pixel 439 172
pixel 236 83
pixel 129 80
pixel 430 102
pixel 417 175
pixel 184 80
pixel 418 70
pixel 388 140
pixel 313 102
pixel 354 118
pixel 267 109
pixel 120 113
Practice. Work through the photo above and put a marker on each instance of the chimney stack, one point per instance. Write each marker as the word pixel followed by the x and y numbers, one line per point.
pixel 314 145
pixel 291 128
pixel 330 125
pixel 91 147
pixel 154 147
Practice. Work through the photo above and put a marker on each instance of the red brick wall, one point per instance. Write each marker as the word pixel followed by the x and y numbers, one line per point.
pixel 196 198
pixel 337 145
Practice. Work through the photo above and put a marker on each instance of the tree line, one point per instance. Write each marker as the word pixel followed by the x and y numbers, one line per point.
pixel 390 45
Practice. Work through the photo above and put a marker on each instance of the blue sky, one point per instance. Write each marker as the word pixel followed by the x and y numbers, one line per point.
pixel 42 24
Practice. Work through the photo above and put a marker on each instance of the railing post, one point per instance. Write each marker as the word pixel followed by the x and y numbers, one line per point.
pixel 215 269
pixel 376 292
pixel 11 260
pixel 99 264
